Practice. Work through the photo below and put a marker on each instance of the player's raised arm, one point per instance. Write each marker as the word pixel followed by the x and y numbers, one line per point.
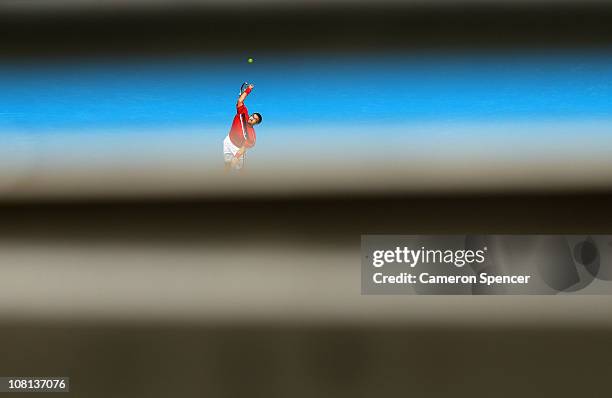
pixel 243 96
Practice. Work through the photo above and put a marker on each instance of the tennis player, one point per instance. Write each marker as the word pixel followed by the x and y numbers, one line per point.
pixel 241 135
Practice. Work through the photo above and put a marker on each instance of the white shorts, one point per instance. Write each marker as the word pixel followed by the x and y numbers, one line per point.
pixel 229 151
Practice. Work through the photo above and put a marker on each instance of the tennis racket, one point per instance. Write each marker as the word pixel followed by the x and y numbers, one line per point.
pixel 245 135
pixel 243 87
pixel 243 125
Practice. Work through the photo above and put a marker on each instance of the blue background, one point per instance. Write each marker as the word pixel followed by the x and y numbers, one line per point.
pixel 307 91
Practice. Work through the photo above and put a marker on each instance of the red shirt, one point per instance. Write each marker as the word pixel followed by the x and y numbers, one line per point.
pixel 241 132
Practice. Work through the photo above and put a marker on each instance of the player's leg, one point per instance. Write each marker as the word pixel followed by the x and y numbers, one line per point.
pixel 227 154
pixel 235 164
pixel 242 163
pixel 239 165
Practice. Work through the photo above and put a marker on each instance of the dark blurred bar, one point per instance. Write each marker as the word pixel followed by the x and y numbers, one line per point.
pixel 321 220
pixel 295 27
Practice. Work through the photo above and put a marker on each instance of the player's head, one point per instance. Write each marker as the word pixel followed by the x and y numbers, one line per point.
pixel 254 119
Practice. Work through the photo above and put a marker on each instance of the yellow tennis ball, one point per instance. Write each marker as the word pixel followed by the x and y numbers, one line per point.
pixel 250 60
